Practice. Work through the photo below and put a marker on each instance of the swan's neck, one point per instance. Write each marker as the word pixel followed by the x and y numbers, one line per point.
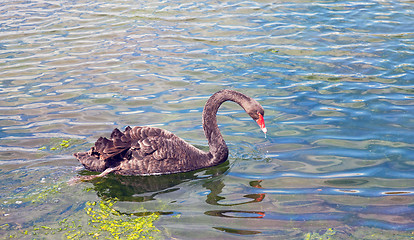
pixel 218 147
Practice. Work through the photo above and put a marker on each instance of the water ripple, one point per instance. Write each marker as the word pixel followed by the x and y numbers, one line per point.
pixel 376 171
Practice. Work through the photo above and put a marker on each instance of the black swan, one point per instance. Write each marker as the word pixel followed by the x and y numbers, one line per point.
pixel 154 151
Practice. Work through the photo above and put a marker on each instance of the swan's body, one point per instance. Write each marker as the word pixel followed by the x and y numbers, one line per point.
pixel 154 151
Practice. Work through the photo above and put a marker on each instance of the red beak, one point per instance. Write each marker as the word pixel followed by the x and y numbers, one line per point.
pixel 261 123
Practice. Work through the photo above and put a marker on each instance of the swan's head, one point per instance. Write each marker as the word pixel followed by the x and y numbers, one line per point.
pixel 256 111
pixel 261 123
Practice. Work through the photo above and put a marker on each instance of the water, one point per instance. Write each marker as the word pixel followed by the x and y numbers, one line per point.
pixel 335 79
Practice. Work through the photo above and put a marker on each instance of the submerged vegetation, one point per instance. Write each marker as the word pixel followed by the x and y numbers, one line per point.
pixel 97 220
pixel 109 223
pixel 57 144
pixel 327 235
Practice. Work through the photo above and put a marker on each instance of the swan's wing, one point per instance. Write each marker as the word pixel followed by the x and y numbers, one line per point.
pixel 141 140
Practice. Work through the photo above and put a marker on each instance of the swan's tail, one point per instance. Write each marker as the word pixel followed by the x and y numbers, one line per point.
pixel 90 161
pixel 105 152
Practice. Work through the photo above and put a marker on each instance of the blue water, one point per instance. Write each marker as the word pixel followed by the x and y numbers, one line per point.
pixel 335 79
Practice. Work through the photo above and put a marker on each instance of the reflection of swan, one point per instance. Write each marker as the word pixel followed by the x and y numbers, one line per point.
pixel 217 186
pixel 146 188
pixel 154 151
pixel 214 199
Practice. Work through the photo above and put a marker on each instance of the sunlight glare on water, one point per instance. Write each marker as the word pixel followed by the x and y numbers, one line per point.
pixel 335 79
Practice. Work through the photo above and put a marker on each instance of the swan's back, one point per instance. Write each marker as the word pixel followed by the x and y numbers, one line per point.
pixel 143 151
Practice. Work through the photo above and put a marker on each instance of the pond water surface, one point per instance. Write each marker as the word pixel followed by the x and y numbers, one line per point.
pixel 335 79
